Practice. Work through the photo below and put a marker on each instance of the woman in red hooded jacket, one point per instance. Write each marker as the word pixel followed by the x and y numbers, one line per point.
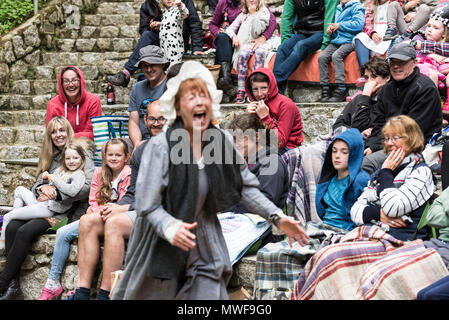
pixel 274 109
pixel 74 103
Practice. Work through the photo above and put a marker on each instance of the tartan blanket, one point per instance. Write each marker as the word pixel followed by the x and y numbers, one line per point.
pixel 304 167
pixel 278 266
pixel 369 264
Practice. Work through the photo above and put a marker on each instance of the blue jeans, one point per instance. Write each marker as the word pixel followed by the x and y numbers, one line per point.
pixel 436 291
pixel 361 52
pixel 290 54
pixel 224 51
pixel 64 237
pixel 148 37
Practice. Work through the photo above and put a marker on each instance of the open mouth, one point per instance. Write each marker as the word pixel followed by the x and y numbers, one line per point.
pixel 199 117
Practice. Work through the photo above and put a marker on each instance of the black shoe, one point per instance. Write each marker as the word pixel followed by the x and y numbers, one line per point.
pixel 224 77
pixel 325 94
pixel 118 79
pixel 338 96
pixel 13 292
pixel 390 34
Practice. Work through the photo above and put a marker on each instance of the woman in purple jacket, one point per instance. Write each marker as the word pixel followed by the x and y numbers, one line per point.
pixel 218 25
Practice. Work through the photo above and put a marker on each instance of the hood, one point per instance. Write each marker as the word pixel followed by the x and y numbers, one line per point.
pixel 354 139
pixel 61 94
pixel 349 4
pixel 272 85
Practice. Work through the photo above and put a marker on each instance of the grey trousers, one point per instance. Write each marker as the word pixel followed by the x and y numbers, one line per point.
pixel 337 54
pixel 373 161
pixel 395 17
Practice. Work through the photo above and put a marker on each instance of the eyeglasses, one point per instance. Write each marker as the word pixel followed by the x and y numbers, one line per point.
pixel 67 82
pixel 153 120
pixel 392 139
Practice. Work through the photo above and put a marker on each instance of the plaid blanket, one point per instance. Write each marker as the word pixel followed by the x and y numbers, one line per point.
pixel 368 264
pixel 278 266
pixel 304 167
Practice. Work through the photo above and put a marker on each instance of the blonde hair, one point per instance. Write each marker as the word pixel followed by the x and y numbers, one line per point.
pixel 407 128
pixel 105 191
pixel 79 149
pixel 48 149
pixel 260 5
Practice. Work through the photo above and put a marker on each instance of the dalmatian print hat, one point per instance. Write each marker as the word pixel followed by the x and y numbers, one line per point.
pixel 441 13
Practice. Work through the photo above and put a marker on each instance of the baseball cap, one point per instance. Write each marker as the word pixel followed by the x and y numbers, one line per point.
pixel 403 51
pixel 152 54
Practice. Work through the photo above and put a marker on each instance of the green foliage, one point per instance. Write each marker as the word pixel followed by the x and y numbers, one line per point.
pixel 14 12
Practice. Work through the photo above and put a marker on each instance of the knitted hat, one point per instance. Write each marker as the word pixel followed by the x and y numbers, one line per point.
pixel 441 13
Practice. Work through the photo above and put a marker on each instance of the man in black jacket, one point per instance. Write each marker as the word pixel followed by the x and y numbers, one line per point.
pixel 150 21
pixel 409 93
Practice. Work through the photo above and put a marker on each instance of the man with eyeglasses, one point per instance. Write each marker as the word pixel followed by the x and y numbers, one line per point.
pixel 153 63
pixel 74 103
pixel 410 93
pixel 116 226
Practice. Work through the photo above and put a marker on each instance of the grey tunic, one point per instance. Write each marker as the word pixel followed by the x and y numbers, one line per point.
pixel 208 268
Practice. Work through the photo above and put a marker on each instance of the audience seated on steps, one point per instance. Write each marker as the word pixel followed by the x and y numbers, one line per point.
pixel 154 64
pixel 408 93
pixel 349 20
pixel 248 26
pixel 252 140
pixel 109 185
pixel 117 228
pixel 308 35
pixel 223 42
pixel 340 184
pixel 150 22
pixel 398 191
pixel 74 103
pixel 279 112
pixel 20 234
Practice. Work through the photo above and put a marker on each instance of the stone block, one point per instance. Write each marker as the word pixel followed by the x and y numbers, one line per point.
pixel 19 49
pixel 114 8
pixel 113 20
pixel 21 87
pixel 90 58
pixel 8 52
pixel 31 36
pixel 41 101
pixel 112 66
pixel 25 136
pixel 104 44
pixel 85 44
pixel 7 135
pixel 109 32
pixel 90 72
pixel 42 87
pixel 123 44
pixel 66 45
pixel 34 58
pixel 52 59
pixel 68 58
pixel 4 102
pixel 92 19
pixel 19 102
pixel 131 19
pixel 88 31
pixel 18 70
pixel 129 31
pixel 44 73
pixel 4 78
pixel 31 282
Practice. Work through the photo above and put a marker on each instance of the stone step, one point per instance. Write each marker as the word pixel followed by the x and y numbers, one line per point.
pixel 104 20
pixel 119 7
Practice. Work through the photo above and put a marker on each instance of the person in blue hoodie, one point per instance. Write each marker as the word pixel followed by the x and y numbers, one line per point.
pixel 341 180
pixel 349 21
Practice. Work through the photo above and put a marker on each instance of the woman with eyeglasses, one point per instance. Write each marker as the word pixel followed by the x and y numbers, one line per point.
pixel 74 102
pixel 398 191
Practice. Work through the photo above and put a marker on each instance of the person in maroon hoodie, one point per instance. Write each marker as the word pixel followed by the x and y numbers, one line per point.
pixel 74 103
pixel 274 109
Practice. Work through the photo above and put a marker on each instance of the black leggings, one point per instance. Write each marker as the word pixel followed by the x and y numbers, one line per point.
pixel 20 234
pixel 445 166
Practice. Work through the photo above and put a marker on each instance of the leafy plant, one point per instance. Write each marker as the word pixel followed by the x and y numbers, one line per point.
pixel 14 12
